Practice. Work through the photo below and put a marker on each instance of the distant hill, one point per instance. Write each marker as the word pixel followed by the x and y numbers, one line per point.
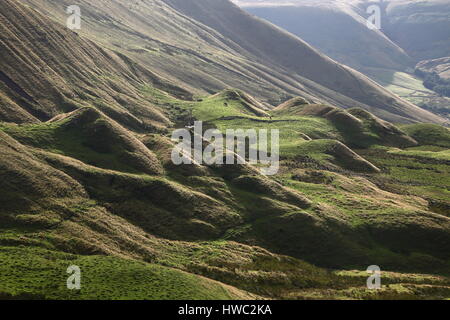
pixel 410 32
pixel 440 66
pixel 421 28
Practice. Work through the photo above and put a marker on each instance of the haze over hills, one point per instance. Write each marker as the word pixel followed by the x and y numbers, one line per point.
pixel 204 52
pixel 336 28
pixel 411 31
pixel 87 177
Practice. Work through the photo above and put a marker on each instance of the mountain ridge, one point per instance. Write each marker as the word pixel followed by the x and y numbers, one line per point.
pixel 410 33
pixel 223 59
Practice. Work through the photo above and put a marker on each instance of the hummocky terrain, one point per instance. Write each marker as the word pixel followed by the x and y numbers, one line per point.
pixel 86 176
pixel 412 32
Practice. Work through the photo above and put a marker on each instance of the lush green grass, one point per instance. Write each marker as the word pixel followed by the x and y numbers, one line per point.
pixel 292 130
pixel 41 274
pixel 439 155
pixel 429 134
pixel 215 107
pixel 79 143
pixel 329 231
pixel 423 173
pixel 262 224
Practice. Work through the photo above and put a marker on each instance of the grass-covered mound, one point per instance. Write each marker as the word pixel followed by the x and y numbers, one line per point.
pixel 291 105
pixel 429 134
pixel 418 173
pixel 29 186
pixel 340 223
pixel 229 103
pixel 88 135
pixel 337 153
pixel 358 127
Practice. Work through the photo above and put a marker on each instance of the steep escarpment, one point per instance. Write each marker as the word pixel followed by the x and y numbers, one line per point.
pixel 47 69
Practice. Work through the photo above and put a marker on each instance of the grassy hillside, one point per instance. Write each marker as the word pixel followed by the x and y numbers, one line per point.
pixel 315 193
pixel 428 134
pixel 88 135
pixel 93 185
pixel 421 28
pixel 206 46
pixel 35 273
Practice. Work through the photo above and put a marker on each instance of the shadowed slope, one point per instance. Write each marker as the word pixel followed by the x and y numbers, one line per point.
pixel 88 135
pixel 358 127
pixel 26 178
pixel 47 69
pixel 421 28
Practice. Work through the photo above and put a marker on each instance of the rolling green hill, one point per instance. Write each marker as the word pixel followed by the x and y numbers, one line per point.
pixel 86 176
pixel 207 46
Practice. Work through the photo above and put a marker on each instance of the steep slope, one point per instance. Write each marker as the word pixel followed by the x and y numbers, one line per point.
pixel 47 69
pixel 421 28
pixel 36 180
pixel 207 46
pixel 410 32
pixel 336 28
pixel 257 36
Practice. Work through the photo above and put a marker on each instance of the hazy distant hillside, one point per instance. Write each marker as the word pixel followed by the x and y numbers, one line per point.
pixel 439 66
pixel 410 32
pixel 205 46
pixel 336 28
pixel 421 28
